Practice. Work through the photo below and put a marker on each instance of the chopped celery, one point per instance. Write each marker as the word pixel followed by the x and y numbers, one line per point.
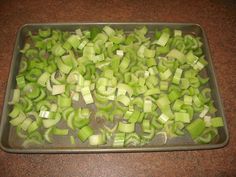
pixel 144 86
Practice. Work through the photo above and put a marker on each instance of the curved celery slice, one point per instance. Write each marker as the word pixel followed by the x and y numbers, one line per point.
pixel 47 134
pixel 85 133
pixel 95 140
pixel 126 127
pixel 196 128
pixel 18 120
pixel 47 123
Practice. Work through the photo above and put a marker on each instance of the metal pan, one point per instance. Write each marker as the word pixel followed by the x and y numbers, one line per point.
pixel 11 143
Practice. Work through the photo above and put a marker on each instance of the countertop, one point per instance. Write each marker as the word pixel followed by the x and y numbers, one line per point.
pixel 218 18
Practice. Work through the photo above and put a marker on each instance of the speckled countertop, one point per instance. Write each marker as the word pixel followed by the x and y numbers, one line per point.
pixel 218 18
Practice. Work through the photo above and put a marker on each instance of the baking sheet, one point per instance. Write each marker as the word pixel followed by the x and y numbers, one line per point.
pixel 11 143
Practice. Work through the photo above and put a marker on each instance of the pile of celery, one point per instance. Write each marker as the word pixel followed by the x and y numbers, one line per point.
pixel 144 86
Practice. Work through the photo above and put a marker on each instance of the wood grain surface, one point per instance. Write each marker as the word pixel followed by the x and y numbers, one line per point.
pixel 218 18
